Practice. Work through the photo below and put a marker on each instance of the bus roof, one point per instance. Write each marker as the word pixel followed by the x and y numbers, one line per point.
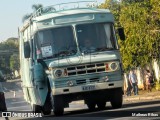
pixel 70 12
pixel 62 10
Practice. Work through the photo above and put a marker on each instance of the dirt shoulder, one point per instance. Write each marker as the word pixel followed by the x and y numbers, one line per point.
pixel 143 95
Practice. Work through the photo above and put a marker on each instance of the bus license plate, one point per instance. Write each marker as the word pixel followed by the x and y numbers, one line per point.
pixel 90 87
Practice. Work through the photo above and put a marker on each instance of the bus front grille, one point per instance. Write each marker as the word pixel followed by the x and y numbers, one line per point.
pixel 86 69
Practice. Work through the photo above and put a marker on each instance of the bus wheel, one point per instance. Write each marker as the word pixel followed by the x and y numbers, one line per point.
pixel 36 108
pixel 46 109
pixel 101 105
pixel 117 98
pixel 91 105
pixel 58 105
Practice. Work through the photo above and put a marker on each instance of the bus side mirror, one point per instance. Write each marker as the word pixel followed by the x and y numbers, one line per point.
pixel 121 33
pixel 27 49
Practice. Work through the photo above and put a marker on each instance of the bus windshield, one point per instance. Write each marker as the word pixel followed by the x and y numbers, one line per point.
pixel 96 37
pixel 56 42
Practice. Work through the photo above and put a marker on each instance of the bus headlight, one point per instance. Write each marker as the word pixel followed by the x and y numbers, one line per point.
pixel 58 72
pixel 113 66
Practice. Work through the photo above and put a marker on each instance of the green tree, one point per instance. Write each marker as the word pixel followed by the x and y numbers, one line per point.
pixel 35 7
pixel 137 19
pixel 8 48
pixel 2 62
pixel 141 20
pixel 40 10
pixel 25 17
pixel 14 62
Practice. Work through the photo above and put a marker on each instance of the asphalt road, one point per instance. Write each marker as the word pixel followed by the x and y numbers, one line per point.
pixel 78 110
pixel 141 110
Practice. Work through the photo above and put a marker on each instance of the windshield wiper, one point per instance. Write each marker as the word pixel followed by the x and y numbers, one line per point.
pixel 104 48
pixel 66 52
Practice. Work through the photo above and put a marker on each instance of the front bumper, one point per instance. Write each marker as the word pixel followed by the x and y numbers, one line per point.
pixel 77 89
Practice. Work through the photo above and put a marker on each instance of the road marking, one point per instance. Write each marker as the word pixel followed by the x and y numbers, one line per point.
pixel 18 102
pixel 18 107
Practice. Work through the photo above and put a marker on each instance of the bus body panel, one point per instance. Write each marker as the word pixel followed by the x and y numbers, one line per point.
pixel 79 73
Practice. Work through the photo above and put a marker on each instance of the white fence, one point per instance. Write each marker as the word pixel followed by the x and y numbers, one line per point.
pixel 140 72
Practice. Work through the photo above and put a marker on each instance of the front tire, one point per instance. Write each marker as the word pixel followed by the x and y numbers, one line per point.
pixel 36 108
pixel 58 105
pixel 46 109
pixel 91 105
pixel 101 105
pixel 117 98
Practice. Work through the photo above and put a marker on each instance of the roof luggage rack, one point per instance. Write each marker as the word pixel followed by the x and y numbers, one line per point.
pixel 64 6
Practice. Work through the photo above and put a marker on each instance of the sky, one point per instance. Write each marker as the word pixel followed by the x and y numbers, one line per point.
pixel 12 12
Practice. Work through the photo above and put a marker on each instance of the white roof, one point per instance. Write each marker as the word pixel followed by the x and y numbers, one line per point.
pixel 63 13
pixel 70 12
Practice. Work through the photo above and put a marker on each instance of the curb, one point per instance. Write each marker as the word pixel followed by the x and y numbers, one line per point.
pixel 129 99
pixel 141 98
